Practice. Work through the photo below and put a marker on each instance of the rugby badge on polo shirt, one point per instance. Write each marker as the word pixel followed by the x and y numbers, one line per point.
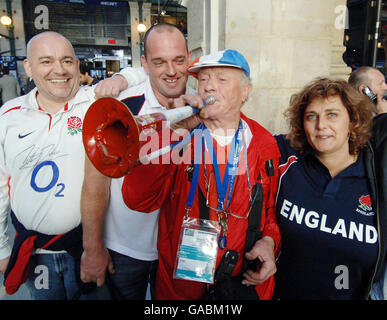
pixel 74 125
pixel 365 206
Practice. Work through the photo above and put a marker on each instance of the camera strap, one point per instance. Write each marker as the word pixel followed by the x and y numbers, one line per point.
pixel 204 211
pixel 253 232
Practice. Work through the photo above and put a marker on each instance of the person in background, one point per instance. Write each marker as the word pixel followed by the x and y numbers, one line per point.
pixel 29 85
pixel 85 76
pixel 379 142
pixel 375 80
pixel 327 207
pixel 366 79
pixel 9 86
pixel 21 84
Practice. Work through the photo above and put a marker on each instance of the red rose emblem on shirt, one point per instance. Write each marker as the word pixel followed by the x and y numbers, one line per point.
pixel 74 125
pixel 365 202
pixel 74 122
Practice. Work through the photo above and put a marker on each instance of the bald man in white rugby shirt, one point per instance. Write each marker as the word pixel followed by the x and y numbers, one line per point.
pixel 41 171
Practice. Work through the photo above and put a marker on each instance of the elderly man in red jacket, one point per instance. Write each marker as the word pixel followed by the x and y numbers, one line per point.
pixel 209 202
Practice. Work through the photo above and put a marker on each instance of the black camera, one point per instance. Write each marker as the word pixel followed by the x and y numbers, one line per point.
pixel 227 265
pixel 227 287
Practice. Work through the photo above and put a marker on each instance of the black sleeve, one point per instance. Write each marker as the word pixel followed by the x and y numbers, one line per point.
pixel 284 148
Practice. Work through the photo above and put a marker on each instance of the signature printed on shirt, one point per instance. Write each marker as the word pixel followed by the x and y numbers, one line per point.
pixel 35 154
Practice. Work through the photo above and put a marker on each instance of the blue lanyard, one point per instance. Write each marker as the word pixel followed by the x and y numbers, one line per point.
pixel 198 157
pixel 231 169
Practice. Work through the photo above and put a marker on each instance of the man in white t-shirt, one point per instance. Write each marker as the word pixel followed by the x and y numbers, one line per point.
pixel 116 238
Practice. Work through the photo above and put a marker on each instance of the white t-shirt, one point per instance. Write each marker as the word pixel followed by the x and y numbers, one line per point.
pixel 129 232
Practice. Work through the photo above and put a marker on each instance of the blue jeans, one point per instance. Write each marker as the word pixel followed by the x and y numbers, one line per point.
pixel 52 277
pixel 132 276
pixel 379 288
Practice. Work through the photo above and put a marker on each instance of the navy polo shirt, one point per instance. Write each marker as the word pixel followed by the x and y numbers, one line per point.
pixel 328 228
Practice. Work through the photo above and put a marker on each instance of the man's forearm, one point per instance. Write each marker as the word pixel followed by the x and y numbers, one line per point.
pixel 111 87
pixel 133 76
pixel 94 202
pixel 93 217
pixel 5 248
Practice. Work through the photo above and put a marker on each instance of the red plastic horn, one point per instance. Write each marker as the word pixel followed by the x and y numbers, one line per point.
pixel 111 134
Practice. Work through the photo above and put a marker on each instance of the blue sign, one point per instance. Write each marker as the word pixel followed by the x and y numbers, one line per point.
pixel 8 61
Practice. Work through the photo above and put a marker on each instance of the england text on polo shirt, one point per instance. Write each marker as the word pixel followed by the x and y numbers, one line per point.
pixel 315 220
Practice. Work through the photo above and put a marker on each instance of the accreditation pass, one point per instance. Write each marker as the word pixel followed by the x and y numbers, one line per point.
pixel 197 254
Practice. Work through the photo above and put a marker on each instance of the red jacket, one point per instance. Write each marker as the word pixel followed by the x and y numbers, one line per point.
pixel 153 186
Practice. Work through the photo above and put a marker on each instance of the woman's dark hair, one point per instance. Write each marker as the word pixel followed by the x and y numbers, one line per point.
pixel 358 106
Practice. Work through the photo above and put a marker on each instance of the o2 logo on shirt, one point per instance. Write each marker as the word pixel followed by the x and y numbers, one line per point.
pixel 52 183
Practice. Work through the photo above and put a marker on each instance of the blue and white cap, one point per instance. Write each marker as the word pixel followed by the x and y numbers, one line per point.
pixel 226 58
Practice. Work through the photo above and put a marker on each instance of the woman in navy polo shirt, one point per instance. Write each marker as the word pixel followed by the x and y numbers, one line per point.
pixel 325 208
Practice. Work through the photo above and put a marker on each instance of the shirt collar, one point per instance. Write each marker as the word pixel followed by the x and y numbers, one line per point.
pixel 151 98
pixel 248 136
pixel 31 99
pixel 83 95
pixel 356 169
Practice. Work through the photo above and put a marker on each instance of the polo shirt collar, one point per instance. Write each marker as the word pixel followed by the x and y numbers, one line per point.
pixel 356 169
pixel 80 97
pixel 151 98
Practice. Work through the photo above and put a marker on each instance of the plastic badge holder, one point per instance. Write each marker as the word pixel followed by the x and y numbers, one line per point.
pixel 197 250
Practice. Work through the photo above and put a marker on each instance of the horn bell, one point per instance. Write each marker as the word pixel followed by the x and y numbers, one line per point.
pixel 111 137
